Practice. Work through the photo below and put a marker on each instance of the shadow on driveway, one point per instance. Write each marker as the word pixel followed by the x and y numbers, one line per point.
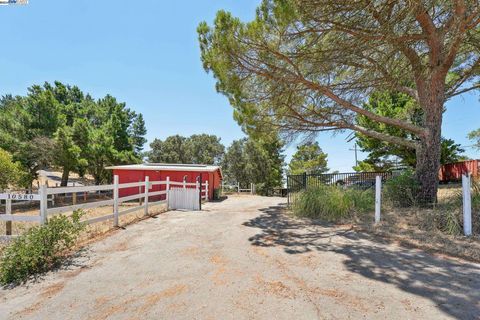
pixel 454 286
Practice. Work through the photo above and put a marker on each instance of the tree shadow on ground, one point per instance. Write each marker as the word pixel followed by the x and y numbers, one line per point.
pixel 454 286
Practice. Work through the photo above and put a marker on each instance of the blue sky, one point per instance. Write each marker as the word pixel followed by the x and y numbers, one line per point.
pixel 146 54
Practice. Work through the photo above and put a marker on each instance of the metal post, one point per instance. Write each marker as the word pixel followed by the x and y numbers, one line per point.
pixel 467 205
pixel 115 201
pixel 42 191
pixel 8 210
pixel 167 189
pixel 378 198
pixel 206 190
pixel 199 184
pixel 147 186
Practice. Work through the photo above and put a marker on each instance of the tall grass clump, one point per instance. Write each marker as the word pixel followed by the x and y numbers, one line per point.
pixel 447 217
pixel 333 204
pixel 39 249
pixel 401 191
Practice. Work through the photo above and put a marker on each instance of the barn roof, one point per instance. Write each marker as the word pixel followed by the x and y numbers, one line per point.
pixel 169 167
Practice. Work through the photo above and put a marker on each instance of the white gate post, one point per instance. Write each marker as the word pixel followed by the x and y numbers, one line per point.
pixel 147 186
pixel 206 190
pixel 43 203
pixel 378 198
pixel 167 189
pixel 251 189
pixel 115 200
pixel 467 205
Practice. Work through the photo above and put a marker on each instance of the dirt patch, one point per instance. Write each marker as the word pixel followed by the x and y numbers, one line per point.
pixel 191 251
pixel 52 290
pixel 154 299
pixel 277 288
pixel 46 294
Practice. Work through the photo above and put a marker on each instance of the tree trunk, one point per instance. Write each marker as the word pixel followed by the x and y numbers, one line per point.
pixel 429 150
pixel 428 164
pixel 65 174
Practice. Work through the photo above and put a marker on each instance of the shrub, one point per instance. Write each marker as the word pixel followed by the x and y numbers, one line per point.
pixel 401 191
pixel 40 248
pixel 448 217
pixel 332 204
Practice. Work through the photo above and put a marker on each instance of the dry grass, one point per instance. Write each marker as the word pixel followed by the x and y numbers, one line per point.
pixel 416 227
pixel 93 231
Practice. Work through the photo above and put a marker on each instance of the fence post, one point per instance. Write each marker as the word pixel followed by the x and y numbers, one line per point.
pixel 147 186
pixel 467 205
pixel 167 189
pixel 42 191
pixel 378 198
pixel 238 187
pixel 115 200
pixel 198 191
pixel 206 190
pixel 8 210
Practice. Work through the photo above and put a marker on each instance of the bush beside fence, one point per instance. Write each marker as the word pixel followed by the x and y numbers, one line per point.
pixel 332 202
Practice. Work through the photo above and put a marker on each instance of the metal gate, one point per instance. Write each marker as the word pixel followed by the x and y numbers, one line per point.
pixel 184 198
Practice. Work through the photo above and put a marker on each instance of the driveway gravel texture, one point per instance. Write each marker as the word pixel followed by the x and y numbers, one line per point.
pixel 245 258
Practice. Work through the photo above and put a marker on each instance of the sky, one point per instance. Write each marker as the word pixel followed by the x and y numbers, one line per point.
pixel 146 54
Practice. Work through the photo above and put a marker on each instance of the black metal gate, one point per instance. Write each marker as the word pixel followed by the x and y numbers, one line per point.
pixel 361 180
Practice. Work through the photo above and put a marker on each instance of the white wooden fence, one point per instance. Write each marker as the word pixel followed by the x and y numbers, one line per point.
pixel 182 200
pixel 238 189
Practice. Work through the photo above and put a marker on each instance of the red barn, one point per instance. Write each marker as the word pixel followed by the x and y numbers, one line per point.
pixel 453 171
pixel 160 171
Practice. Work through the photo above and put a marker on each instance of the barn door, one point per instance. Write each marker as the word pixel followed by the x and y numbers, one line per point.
pixel 184 198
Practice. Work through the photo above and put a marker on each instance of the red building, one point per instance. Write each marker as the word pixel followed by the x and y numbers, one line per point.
pixel 160 171
pixel 453 171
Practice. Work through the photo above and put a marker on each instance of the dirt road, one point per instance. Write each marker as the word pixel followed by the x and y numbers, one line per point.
pixel 244 259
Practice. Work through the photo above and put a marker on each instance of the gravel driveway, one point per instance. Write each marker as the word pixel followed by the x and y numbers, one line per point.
pixel 244 259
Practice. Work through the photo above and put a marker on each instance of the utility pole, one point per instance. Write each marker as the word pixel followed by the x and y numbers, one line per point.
pixel 356 153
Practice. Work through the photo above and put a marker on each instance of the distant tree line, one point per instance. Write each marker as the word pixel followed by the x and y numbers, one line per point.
pixel 59 125
pixel 259 161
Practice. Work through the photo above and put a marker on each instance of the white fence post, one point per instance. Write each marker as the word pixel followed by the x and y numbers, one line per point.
pixel 43 203
pixel 251 188
pixel 238 187
pixel 167 189
pixel 378 198
pixel 206 190
pixel 147 186
pixel 467 205
pixel 115 200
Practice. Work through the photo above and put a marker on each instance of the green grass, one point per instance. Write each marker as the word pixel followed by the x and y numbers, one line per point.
pixel 333 204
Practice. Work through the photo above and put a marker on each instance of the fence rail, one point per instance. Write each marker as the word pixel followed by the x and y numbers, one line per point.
pixel 46 194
